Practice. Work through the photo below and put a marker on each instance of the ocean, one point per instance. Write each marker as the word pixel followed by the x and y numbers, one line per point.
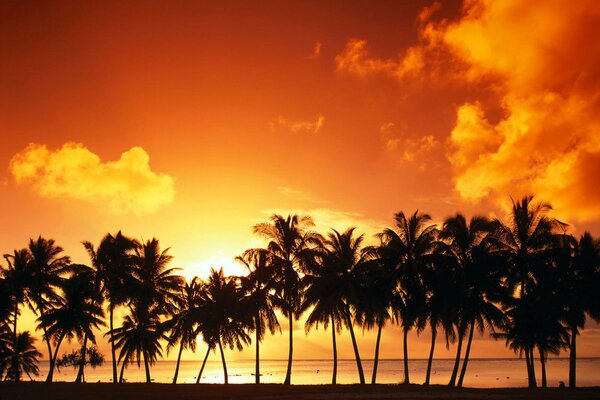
pixel 483 373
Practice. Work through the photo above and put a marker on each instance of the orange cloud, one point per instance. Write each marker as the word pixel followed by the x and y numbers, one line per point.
pixel 542 58
pixel 355 60
pixel 127 185
pixel 297 126
pixel 407 149
pixel 545 57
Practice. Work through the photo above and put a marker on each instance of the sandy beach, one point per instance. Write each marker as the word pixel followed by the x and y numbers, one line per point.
pixel 106 391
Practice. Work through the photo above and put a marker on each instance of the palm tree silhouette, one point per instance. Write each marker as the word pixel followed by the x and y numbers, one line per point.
pixel 405 251
pixel 17 277
pixel 290 246
pixel 375 298
pixel 525 242
pixel 19 356
pixel 113 261
pixel 226 316
pixel 138 338
pixel 47 266
pixel 183 322
pixel 335 288
pixel 75 313
pixel 478 280
pixel 260 296
pixel 578 263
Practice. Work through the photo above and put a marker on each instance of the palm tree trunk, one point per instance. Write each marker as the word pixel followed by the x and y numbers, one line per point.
pixel 533 377
pixel 146 367
pixel 432 349
pixel 226 380
pixel 361 374
pixel 122 371
pixel 257 368
pixel 406 374
pixel 45 337
pixel 376 360
pixel 543 361
pixel 178 361
pixel 112 346
pixel 203 364
pixel 53 359
pixel 334 376
pixel 463 371
pixel 573 358
pixel 79 378
pixel 288 374
pixel 528 363
pixel 15 366
pixel 452 382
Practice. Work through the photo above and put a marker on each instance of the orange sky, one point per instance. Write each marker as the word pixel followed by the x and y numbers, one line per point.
pixel 191 122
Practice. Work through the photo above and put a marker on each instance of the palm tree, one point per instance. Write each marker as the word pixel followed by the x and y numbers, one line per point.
pixel 290 246
pixel 17 278
pixel 20 356
pixel 226 315
pixel 75 313
pixel 138 338
pixel 375 299
pixel 405 251
pixel 525 242
pixel 478 277
pixel 578 263
pixel 260 296
pixel 113 261
pixel 335 288
pixel 183 322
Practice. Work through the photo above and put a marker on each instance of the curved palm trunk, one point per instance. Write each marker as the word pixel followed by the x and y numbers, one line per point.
pixel 334 377
pixel 203 364
pixel 376 360
pixel 456 361
pixel 46 339
pixel 257 367
pixel 147 368
pixel 432 349
pixel 122 370
pixel 573 358
pixel 112 348
pixel 463 371
pixel 79 378
pixel 53 359
pixel 405 345
pixel 361 374
pixel 226 378
pixel 528 363
pixel 288 374
pixel 178 361
pixel 543 361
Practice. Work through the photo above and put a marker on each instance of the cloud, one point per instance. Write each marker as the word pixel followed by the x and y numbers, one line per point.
pixel 548 141
pixel 406 149
pixel 299 126
pixel 127 185
pixel 316 53
pixel 355 60
pixel 538 61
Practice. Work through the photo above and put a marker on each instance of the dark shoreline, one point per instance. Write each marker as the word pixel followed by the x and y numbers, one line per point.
pixel 155 391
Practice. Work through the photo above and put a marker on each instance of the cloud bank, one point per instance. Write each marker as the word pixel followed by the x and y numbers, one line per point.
pixel 127 185
pixel 544 61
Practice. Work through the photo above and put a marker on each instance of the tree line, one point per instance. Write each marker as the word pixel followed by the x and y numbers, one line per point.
pixel 526 280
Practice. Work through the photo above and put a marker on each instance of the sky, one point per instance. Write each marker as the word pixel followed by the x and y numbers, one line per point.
pixel 192 121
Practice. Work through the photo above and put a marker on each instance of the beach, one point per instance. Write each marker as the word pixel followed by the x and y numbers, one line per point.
pixel 156 391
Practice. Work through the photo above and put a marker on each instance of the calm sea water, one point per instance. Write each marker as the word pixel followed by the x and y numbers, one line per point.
pixel 480 373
